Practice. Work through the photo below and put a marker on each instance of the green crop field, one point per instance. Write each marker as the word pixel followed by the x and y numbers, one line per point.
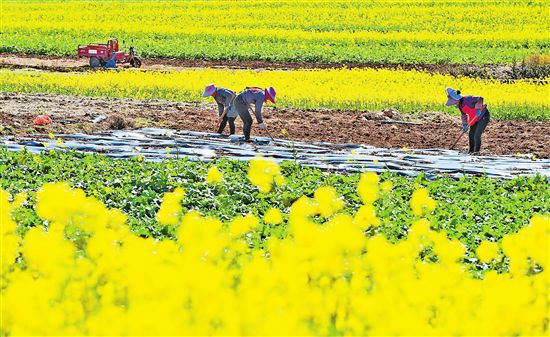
pixel 470 209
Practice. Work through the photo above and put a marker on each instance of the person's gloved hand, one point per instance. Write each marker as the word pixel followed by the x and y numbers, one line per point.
pixel 464 127
pixel 478 113
pixel 262 126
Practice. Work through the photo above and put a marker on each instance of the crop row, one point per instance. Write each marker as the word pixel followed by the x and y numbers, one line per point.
pixel 344 31
pixel 296 260
pixel 471 209
pixel 345 89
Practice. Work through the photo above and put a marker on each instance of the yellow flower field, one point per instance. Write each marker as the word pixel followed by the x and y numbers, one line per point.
pixel 354 89
pixel 349 31
pixel 84 272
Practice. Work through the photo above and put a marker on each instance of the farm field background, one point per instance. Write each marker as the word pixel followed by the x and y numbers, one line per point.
pixel 77 114
pixel 332 32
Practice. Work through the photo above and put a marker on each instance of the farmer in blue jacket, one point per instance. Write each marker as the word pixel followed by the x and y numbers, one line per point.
pixel 474 115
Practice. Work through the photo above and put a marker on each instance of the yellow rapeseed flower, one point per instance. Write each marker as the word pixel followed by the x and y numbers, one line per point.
pixel 487 251
pixel 368 187
pixel 273 216
pixel 366 217
pixel 421 202
pixel 214 175
pixel 240 226
pixel 386 186
pixel 170 207
pixel 328 201
pixel 263 173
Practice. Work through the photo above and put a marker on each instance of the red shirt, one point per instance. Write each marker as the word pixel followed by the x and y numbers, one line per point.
pixel 467 107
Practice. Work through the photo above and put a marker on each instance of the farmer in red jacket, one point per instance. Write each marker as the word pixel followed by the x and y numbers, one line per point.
pixel 474 115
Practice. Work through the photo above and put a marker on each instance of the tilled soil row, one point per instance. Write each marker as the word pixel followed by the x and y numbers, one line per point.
pixel 74 114
pixel 74 64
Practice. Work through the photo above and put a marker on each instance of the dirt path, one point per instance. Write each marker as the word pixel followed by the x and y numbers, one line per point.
pixel 73 114
pixel 71 64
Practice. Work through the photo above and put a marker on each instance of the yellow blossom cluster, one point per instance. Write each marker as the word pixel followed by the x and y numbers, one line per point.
pixel 263 173
pixel 8 232
pixel 532 251
pixel 213 175
pixel 170 207
pixel 273 216
pixel 487 251
pixel 421 202
pixel 84 273
pixel 368 189
pixel 328 202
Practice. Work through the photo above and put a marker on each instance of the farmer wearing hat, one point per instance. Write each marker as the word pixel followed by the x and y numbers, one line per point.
pixel 224 97
pixel 474 115
pixel 256 96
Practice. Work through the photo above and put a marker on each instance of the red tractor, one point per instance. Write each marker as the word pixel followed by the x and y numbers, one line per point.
pixel 100 53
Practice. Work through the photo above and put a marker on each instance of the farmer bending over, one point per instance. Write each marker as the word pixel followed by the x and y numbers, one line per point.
pixel 224 98
pixel 256 96
pixel 474 115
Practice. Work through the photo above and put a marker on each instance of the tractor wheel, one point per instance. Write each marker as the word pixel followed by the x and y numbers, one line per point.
pixel 135 62
pixel 94 62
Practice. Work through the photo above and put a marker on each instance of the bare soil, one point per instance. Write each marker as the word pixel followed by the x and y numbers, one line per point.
pixel 72 64
pixel 73 114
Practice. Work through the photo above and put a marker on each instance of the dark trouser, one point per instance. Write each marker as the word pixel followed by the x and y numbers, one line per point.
pixel 475 132
pixel 242 109
pixel 231 121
